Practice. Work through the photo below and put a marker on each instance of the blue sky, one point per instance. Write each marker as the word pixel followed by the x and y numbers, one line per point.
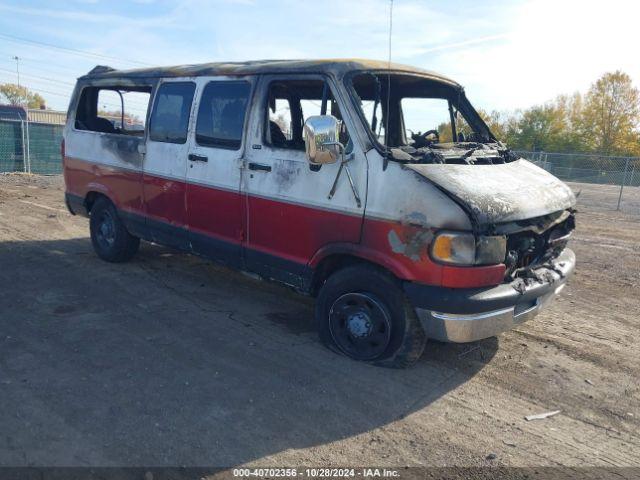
pixel 508 54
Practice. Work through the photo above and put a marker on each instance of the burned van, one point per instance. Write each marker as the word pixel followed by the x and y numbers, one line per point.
pixel 376 188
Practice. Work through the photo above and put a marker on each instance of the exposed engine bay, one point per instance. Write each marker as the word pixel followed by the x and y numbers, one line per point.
pixel 469 153
pixel 536 243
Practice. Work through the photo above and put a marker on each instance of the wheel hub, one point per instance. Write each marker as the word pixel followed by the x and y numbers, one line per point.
pixel 359 325
pixel 106 230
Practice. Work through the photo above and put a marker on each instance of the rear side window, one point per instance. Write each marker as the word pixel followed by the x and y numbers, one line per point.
pixel 116 109
pixel 170 117
pixel 221 114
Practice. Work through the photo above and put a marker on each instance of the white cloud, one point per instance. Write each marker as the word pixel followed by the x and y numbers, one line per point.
pixel 552 47
pixel 508 54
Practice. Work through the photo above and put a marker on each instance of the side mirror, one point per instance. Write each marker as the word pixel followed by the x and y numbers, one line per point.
pixel 321 134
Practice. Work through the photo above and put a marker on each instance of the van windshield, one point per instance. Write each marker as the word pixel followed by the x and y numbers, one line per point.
pixel 424 120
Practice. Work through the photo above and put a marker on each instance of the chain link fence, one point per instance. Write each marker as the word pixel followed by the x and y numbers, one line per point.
pixel 30 147
pixel 600 182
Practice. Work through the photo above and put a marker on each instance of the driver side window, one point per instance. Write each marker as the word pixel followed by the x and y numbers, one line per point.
pixel 289 104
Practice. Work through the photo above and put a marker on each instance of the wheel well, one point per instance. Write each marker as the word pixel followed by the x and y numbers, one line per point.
pixel 331 264
pixel 90 199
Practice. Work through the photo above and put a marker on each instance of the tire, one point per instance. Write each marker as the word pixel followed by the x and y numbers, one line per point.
pixel 362 312
pixel 109 237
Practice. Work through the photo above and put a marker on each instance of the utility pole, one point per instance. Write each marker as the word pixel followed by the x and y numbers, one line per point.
pixel 26 159
pixel 17 59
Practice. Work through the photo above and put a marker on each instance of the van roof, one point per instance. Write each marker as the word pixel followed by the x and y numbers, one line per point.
pixel 339 66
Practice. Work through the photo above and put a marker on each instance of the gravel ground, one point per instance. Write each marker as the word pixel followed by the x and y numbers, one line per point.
pixel 170 360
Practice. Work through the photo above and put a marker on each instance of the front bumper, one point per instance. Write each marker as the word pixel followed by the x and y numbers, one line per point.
pixel 470 314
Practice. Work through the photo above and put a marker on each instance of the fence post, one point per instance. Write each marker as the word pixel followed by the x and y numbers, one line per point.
pixel 24 158
pixel 624 178
pixel 28 147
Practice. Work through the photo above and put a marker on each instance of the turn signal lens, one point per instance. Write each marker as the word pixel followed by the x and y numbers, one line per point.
pixel 465 249
pixel 456 248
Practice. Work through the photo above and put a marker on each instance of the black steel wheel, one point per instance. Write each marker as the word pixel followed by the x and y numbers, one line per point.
pixel 360 325
pixel 361 312
pixel 110 238
pixel 106 231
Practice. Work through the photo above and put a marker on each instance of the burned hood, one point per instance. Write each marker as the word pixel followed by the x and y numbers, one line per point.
pixel 500 193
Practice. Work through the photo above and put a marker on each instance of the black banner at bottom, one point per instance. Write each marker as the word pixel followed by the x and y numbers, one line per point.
pixel 397 473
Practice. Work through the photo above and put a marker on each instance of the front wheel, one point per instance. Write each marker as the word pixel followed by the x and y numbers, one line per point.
pixel 111 240
pixel 362 312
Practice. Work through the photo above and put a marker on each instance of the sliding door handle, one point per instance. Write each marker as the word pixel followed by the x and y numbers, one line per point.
pixel 259 166
pixel 198 158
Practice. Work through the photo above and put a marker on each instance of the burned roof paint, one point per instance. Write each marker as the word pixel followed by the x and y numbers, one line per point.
pixel 337 66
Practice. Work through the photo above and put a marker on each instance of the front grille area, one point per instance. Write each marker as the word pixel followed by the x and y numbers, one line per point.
pixel 527 249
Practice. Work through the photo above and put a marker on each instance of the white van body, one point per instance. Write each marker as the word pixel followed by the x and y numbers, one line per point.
pixel 402 239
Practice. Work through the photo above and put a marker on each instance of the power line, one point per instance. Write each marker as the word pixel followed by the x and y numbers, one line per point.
pixel 51 67
pixel 51 80
pixel 74 51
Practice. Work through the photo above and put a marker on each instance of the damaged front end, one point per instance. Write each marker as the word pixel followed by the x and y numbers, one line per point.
pixel 534 214
pixel 536 243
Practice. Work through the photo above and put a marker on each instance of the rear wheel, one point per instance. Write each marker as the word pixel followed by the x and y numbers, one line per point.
pixel 111 240
pixel 362 312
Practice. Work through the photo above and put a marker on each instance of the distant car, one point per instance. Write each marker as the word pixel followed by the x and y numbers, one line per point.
pixel 401 235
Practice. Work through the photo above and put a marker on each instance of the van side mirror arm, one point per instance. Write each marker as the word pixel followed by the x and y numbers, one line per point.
pixel 343 165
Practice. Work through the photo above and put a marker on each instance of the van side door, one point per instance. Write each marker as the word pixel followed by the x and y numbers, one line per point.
pixel 165 163
pixel 214 204
pixel 290 216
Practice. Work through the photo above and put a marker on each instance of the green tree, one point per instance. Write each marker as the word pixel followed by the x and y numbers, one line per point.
pixel 553 127
pixel 606 120
pixel 611 115
pixel 19 95
pixel 537 128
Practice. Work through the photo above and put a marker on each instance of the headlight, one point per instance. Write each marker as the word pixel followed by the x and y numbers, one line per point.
pixel 465 249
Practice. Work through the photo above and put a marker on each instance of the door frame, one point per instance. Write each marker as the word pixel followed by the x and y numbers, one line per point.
pixel 272 265
pixel 213 246
pixel 160 231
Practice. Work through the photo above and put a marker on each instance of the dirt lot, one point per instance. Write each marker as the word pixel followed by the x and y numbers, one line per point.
pixel 169 360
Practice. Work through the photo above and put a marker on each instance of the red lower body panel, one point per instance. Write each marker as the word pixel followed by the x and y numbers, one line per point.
pixel 215 212
pixel 164 200
pixel 123 187
pixel 298 234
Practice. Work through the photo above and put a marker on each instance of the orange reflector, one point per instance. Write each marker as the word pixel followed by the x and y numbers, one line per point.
pixel 442 247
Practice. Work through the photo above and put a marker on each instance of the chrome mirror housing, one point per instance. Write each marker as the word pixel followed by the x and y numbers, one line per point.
pixel 321 134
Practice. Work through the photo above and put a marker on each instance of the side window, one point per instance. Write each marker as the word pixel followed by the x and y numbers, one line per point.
pixel 116 109
pixel 289 104
pixel 280 114
pixel 221 114
pixel 170 117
